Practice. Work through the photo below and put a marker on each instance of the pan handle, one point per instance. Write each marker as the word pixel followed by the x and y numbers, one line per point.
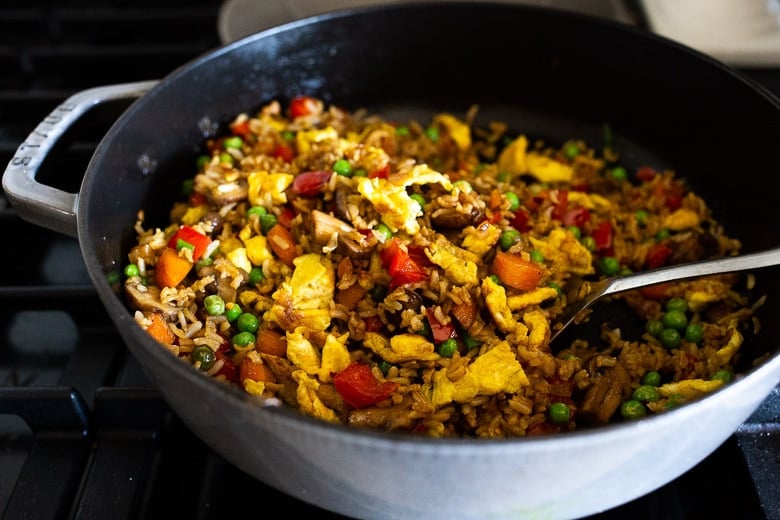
pixel 38 203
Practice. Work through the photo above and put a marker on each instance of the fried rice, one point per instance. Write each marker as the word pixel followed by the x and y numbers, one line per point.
pixel 405 276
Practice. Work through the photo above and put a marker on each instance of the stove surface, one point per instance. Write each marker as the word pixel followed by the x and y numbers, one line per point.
pixel 82 433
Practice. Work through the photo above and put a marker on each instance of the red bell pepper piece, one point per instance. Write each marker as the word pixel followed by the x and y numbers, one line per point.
pixel 399 263
pixel 521 220
pixel 359 388
pixel 602 236
pixel 658 255
pixel 576 216
pixel 284 152
pixel 198 240
pixel 303 106
pixel 440 331
pixel 240 129
pixel 381 173
pixel 561 204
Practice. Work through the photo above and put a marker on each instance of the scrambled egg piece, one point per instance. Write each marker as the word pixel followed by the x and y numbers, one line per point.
pixel 389 197
pixel 539 328
pixel 459 265
pixel 690 388
pixel 240 259
pixel 535 297
pixel 682 218
pixel 704 291
pixel 401 347
pixel 497 370
pixel 496 301
pixel 481 239
pixel 565 252
pixel 302 353
pixel 516 159
pixel 458 130
pixel 335 356
pixel 194 214
pixel 308 401
pixel 253 387
pixel 257 249
pixel 725 353
pixel 267 189
pixel 589 200
pixel 305 138
pixel 304 299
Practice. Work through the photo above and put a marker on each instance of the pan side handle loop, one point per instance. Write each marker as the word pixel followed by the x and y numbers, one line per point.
pixel 38 203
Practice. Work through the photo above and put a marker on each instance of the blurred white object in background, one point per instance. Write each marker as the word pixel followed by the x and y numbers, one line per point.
pixel 737 32
pixel 239 18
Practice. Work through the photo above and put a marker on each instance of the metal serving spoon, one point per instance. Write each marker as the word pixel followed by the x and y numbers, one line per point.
pixel 586 293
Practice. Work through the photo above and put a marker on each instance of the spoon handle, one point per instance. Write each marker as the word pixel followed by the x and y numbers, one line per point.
pixel 729 264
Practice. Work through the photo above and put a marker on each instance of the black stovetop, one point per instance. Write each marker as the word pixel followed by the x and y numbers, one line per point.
pixel 82 433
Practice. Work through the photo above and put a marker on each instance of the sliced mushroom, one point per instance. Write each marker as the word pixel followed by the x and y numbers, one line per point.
pixel 332 232
pixel 147 298
pixel 456 218
pixel 229 192
pixel 391 418
pixel 611 384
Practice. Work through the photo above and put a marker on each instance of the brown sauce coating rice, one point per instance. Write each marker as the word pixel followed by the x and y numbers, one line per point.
pixel 405 276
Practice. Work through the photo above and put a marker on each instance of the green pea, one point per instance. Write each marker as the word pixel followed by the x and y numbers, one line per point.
pixel 268 221
pixel 256 275
pixel 226 158
pixel 514 200
pixel 233 311
pixel 618 173
pixel 537 256
pixel 508 238
pixel 589 243
pixel 662 235
pixel 448 347
pixel 232 142
pixel 247 322
pixel 641 216
pixel 632 409
pixel 694 332
pixel 132 270
pixel 574 230
pixel 287 135
pixel 677 304
pixel 654 327
pixel 674 401
pixel 495 279
pixel 471 343
pixel 200 163
pixel 384 367
pixel 378 293
pixel 359 172
pixel 571 150
pixel 432 133
pixel 724 375
pixel 214 304
pixel 645 394
pixel 257 210
pixel 342 167
pixel 556 287
pixel 203 357
pixel 384 232
pixel 609 265
pixel 425 330
pixel 419 199
pixel 559 413
pixel 669 338
pixel 402 131
pixel 244 338
pixel 503 176
pixel 675 320
pixel 187 187
pixel 653 378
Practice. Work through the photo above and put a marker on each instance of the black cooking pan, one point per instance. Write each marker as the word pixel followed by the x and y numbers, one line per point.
pixel 552 75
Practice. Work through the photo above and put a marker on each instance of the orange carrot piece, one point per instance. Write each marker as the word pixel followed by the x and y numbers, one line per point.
pixel 271 342
pixel 170 268
pixel 517 272
pixel 282 243
pixel 350 296
pixel 255 371
pixel 159 329
pixel 465 313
